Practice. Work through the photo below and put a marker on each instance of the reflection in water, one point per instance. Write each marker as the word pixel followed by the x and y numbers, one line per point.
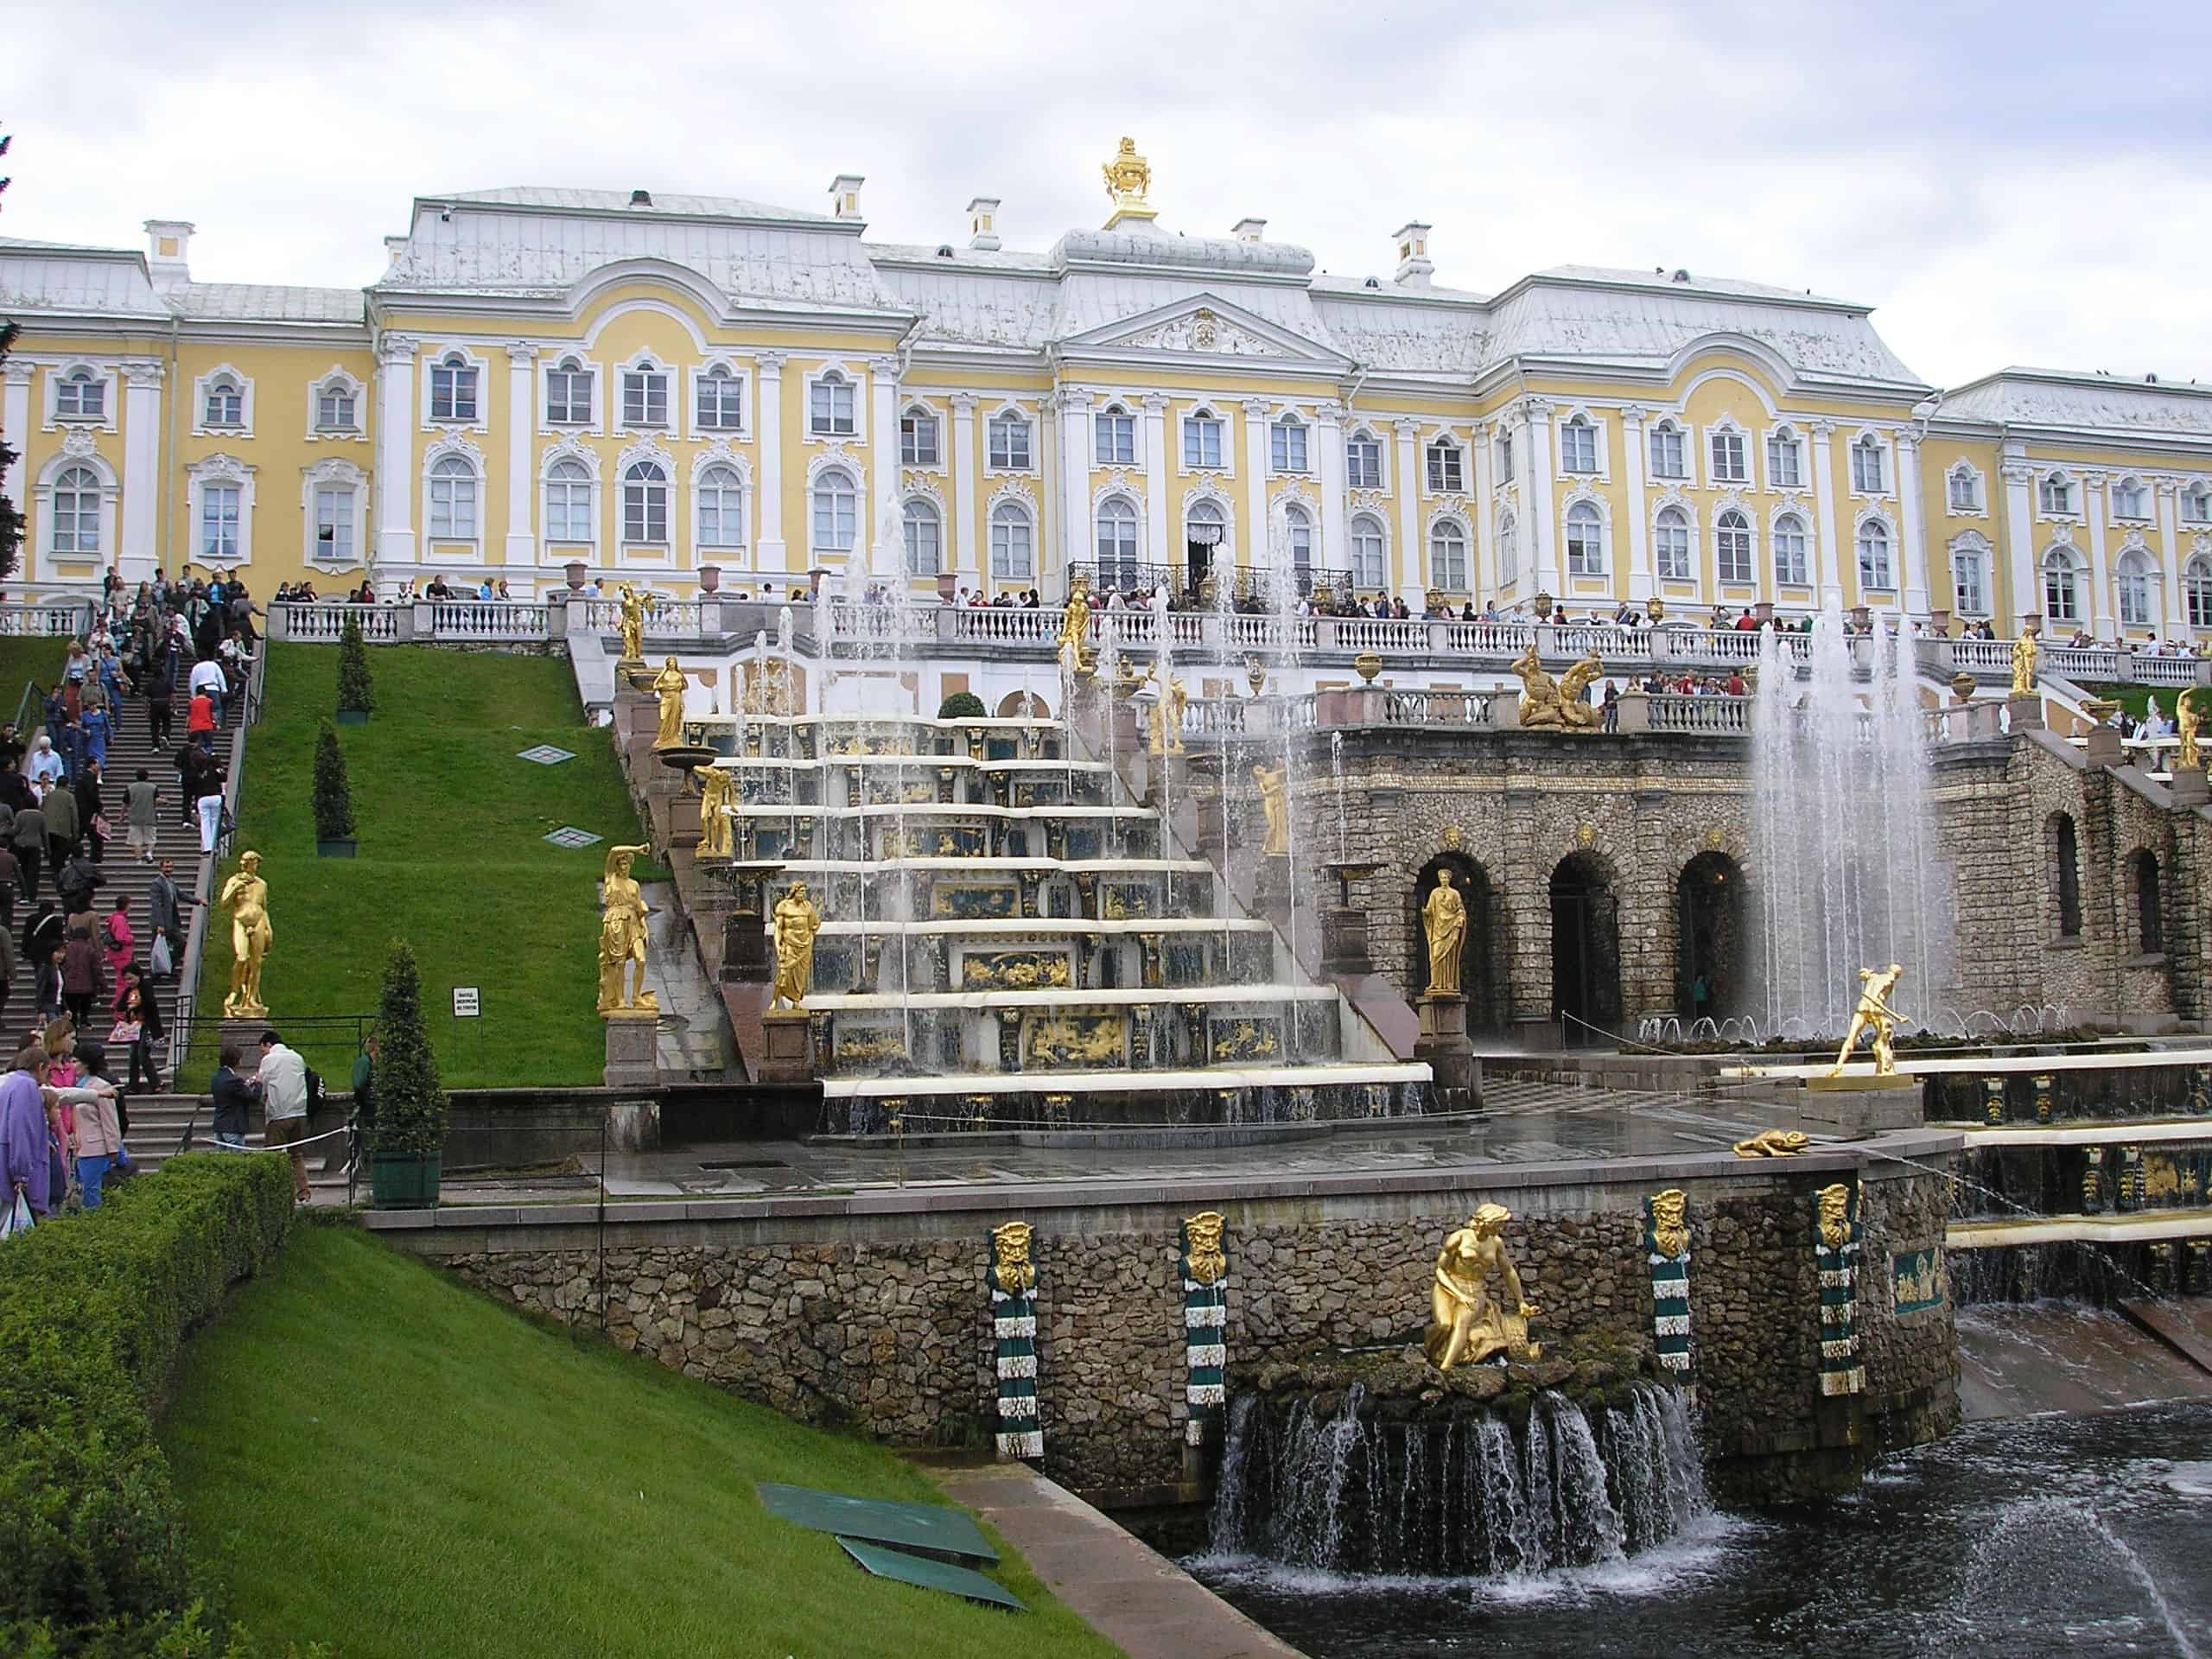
pixel 2076 1536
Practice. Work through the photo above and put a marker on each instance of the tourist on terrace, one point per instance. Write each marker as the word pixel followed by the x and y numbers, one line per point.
pixel 437 589
pixel 1736 686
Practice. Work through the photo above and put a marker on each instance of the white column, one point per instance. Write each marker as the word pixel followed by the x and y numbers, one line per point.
pixel 2093 498
pixel 1075 479
pixel 2019 543
pixel 15 426
pixel 1911 529
pixel 141 470
pixel 1335 550
pixel 1257 529
pixel 1826 567
pixel 1634 455
pixel 768 552
pixel 1482 579
pixel 1159 549
pixel 883 439
pixel 396 449
pixel 2169 559
pixel 521 419
pixel 1537 490
pixel 1413 566
pixel 967 554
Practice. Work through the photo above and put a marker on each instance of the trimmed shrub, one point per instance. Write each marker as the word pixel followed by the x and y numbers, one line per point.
pixel 94 1310
pixel 357 692
pixel 961 705
pixel 333 798
pixel 411 1104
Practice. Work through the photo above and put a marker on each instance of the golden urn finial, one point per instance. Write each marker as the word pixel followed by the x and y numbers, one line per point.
pixel 1128 175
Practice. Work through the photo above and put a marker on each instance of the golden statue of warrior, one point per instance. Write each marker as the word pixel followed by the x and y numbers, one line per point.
pixel 793 925
pixel 246 896
pixel 717 795
pixel 1575 712
pixel 622 939
pixel 1128 175
pixel 1444 923
pixel 1540 706
pixel 1875 1014
pixel 1467 1326
pixel 1167 713
pixel 633 623
pixel 1010 1264
pixel 2023 665
pixel 668 685
pixel 1075 631
pixel 2186 721
pixel 1274 801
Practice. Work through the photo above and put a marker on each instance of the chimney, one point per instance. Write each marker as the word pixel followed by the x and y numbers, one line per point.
pixel 845 195
pixel 641 198
pixel 1249 230
pixel 169 248
pixel 983 223
pixel 1414 267
pixel 395 250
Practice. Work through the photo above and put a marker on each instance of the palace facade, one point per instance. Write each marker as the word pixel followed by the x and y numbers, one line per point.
pixel 688 391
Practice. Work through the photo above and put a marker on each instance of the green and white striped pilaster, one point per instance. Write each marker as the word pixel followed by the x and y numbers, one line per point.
pixel 1205 1313
pixel 1843 1369
pixel 1670 1295
pixel 1013 1328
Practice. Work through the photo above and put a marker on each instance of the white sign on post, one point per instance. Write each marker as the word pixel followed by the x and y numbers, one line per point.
pixel 464 1003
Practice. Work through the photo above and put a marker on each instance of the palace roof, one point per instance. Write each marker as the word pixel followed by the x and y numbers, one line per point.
pixel 2120 405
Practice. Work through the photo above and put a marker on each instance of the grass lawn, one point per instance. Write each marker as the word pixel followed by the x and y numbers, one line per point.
pixel 2133 699
pixel 371 1455
pixel 452 858
pixel 23 660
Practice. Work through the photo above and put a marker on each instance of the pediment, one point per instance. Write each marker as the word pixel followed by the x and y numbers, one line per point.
pixel 1203 326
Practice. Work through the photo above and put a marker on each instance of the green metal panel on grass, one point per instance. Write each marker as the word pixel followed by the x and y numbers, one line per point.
pixel 932 1527
pixel 930 1575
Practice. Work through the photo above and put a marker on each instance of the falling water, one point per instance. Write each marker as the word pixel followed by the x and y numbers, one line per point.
pixel 1842 829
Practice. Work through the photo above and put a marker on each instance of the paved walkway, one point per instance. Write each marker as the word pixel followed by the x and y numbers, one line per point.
pixel 1129 1593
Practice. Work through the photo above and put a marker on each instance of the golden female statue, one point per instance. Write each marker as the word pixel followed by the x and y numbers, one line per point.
pixel 717 795
pixel 1274 801
pixel 1873 1013
pixel 1443 920
pixel 622 939
pixel 1467 1326
pixel 1075 631
pixel 633 623
pixel 2023 665
pixel 668 685
pixel 247 896
pixel 794 925
pixel 2186 721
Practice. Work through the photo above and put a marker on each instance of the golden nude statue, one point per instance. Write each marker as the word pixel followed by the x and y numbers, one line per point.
pixel 1875 1014
pixel 1010 1264
pixel 1574 710
pixel 246 895
pixel 1467 1326
pixel 1444 921
pixel 1835 1215
pixel 2023 665
pixel 2186 721
pixel 717 795
pixel 793 925
pixel 668 685
pixel 1772 1143
pixel 1075 631
pixel 632 624
pixel 1274 801
pixel 1540 704
pixel 1167 708
pixel 622 940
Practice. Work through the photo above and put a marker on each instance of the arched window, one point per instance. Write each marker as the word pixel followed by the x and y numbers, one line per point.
pixel 1964 487
pixel 2135 610
pixel 1117 542
pixel 567 502
pixel 1447 472
pixel 836 510
pixel 568 393
pixel 1287 445
pixel 1508 550
pixel 1790 564
pixel 452 389
pixel 1785 461
pixel 2197 591
pixel 720 519
pixel 1874 556
pixel 1671 543
pixel 1447 555
pixel 1363 461
pixel 1298 525
pixel 918 443
pixel 1732 547
pixel 1201 439
pixel 333 407
pixel 2066 874
pixel 1009 445
pixel 1870 471
pixel 644 503
pixel 80 395
pixel 1585 541
pixel 2150 910
pixel 1113 436
pixel 2056 492
pixel 1367 558
pixel 925 537
pixel 1667 459
pixel 2131 500
pixel 225 404
pixel 1970 581
pixel 1012 543
pixel 1578 446
pixel 830 406
pixel 453 500
pixel 77 513
pixel 2061 595
pixel 718 400
pixel 2196 504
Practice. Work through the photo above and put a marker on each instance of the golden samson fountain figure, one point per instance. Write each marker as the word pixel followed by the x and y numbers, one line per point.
pixel 1875 1014
pixel 1467 1325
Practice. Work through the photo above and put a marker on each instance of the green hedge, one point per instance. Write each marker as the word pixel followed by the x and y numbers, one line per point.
pixel 93 1311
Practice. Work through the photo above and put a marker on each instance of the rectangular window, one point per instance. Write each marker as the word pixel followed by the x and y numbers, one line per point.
pixel 1010 547
pixel 79 397
pixel 452 391
pixel 720 401
pixel 2130 500
pixel 1114 437
pixel 334 525
pixel 1009 450
pixel 2197 507
pixel 917 438
pixel 1504 457
pixel 1733 547
pixel 1201 441
pixel 1968 584
pixel 835 520
pixel 1964 496
pixel 1366 555
pixel 1362 464
pixel 333 409
pixel 2057 495
pixel 219 522
pixel 645 397
pixel 1790 553
pixel 1446 476
pixel 568 398
pixel 1728 458
pixel 645 513
pixel 1867 472
pixel 829 407
pixel 1785 465
pixel 1667 458
pixel 1578 447
pixel 1286 447
pixel 1671 542
pixel 226 406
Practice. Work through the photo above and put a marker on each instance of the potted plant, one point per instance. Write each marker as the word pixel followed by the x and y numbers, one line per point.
pixel 407 1141
pixel 357 694
pixel 333 798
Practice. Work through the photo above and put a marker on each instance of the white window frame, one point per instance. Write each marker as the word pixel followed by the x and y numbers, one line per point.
pixel 1297 524
pixel 336 377
pixel 1504 457
pixel 827 376
pixel 1877 528
pixel 2136 485
pixel 1592 555
pixel 2135 578
pixel 921 512
pixel 432 458
pixel 662 481
pixel 77 453
pixel 1380 479
pixel 1576 430
pixel 720 458
pixel 1116 508
pixel 1748 527
pixel 720 373
pixel 1107 425
pixel 1361 582
pixel 1684 557
pixel 642 368
pixel 2059 495
pixel 2193 503
pixel 1451 526
pixel 815 486
pixel 223 471
pixel 1970 571
pixel 569 366
pixel 1287 434
pixel 2197 592
pixel 913 416
pixel 1434 449
pixel 334 474
pixel 1729 434
pixel 587 465
pixel 1509 547
pixel 1977 502
pixel 1006 512
pixel 101 375
pixel 1007 420
pixel 1800 571
pixel 205 386
pixel 1867 443
pixel 1776 437
pixel 2059 560
pixel 1203 414
pixel 439 358
pixel 1675 433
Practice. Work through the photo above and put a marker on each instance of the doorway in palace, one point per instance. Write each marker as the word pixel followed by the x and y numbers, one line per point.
pixel 1710 937
pixel 1483 959
pixel 1585 950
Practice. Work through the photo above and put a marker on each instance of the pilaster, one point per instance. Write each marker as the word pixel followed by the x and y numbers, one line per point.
pixel 1075 479
pixel 2169 556
pixel 1636 456
pixel 2095 502
pixel 1257 529
pixel 769 394
pixel 395 480
pixel 1335 550
pixel 522 410
pixel 1158 548
pixel 1482 579
pixel 2019 539
pixel 1412 556
pixel 1911 529
pixel 1827 567
pixel 141 470
pixel 14 423
pixel 967 554
pixel 1537 490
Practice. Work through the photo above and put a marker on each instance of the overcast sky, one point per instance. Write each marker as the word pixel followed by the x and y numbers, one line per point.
pixel 2005 184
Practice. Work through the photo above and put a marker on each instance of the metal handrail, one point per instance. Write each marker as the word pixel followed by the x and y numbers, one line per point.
pixel 187 984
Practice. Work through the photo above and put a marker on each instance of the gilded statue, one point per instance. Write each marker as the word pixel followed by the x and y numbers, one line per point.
pixel 1466 1325
pixel 2186 721
pixel 668 685
pixel 793 925
pixel 633 623
pixel 1540 705
pixel 246 896
pixel 2023 665
pixel 1575 711
pixel 1875 1014
pixel 1011 1267
pixel 622 940
pixel 1128 175
pixel 1835 1215
pixel 1067 1039
pixel 1670 1226
pixel 717 797
pixel 1202 1247
pixel 1773 1143
pixel 1075 631
pixel 1444 921
pixel 1168 706
pixel 1274 801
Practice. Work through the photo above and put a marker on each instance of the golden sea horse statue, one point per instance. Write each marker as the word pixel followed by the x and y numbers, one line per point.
pixel 1466 1325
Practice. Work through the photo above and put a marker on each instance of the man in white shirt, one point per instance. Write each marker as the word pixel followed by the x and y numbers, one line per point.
pixel 282 1084
pixel 208 676
pixel 45 765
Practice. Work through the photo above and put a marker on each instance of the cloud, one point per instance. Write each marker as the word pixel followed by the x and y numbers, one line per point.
pixel 2013 184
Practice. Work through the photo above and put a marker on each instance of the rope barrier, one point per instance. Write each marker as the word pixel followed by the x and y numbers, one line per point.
pixel 222 1146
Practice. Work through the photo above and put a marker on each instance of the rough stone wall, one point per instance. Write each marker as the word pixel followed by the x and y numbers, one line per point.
pixel 891 1335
